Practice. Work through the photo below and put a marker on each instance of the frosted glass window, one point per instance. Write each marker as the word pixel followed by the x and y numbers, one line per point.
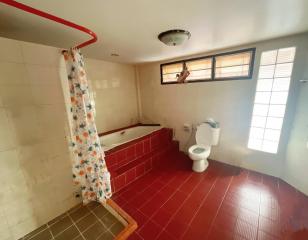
pixel 264 85
pixel 276 110
pixel 279 98
pixel 257 133
pixel 274 122
pixel 271 98
pixel 258 121
pixel 283 70
pixel 281 84
pixel 260 110
pixel 263 97
pixel 266 71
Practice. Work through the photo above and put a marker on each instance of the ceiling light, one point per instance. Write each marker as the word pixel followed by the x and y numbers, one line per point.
pixel 174 37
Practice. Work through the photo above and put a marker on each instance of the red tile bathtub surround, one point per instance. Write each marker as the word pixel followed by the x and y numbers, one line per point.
pixel 132 160
pixel 225 202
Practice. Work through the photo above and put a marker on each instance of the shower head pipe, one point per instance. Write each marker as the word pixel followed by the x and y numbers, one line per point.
pixel 51 17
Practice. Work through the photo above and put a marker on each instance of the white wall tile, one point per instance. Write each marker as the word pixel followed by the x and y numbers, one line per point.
pixel 15 96
pixel 41 54
pixel 10 51
pixel 5 234
pixel 9 162
pixel 43 94
pixel 35 164
pixel 43 75
pixel 13 73
pixel 24 227
pixel 7 139
pixel 32 140
pixel 25 122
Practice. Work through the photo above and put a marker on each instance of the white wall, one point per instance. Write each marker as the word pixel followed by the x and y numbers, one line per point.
pixel 115 93
pixel 229 102
pixel 296 164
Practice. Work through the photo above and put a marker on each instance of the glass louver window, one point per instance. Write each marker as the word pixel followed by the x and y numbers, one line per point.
pixel 233 65
pixel 224 66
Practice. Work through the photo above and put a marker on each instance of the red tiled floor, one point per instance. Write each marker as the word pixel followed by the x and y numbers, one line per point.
pixel 224 202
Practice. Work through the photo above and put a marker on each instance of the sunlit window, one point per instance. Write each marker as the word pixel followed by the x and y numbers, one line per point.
pixel 224 66
pixel 271 99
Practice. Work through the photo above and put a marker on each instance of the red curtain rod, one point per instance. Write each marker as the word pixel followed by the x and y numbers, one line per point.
pixel 55 19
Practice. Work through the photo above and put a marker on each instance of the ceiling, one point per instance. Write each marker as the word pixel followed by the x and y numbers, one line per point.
pixel 130 27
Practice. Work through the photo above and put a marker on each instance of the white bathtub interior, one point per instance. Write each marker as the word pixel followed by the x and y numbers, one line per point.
pixel 112 140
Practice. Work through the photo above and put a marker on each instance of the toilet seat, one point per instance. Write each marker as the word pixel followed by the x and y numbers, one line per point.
pixel 200 151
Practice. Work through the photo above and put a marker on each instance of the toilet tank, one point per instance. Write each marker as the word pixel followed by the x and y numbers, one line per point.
pixel 207 135
pixel 215 136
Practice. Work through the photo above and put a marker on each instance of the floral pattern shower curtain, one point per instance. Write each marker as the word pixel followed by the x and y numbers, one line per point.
pixel 89 166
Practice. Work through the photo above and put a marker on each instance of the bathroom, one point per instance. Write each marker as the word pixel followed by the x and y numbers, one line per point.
pixel 177 90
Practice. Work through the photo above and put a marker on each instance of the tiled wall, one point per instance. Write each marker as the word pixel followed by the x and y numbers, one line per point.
pixel 35 169
pixel 115 93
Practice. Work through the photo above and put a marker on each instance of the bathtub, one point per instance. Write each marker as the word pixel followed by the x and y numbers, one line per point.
pixel 112 140
pixel 133 151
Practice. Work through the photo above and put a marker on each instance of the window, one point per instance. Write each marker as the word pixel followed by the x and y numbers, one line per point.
pixel 233 65
pixel 225 66
pixel 271 99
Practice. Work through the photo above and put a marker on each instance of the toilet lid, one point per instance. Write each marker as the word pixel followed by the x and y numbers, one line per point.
pixel 204 134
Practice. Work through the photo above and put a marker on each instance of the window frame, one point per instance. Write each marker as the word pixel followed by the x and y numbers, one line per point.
pixel 213 58
pixel 283 118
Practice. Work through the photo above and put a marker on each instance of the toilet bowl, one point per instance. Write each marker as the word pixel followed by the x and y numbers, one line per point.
pixel 206 136
pixel 199 154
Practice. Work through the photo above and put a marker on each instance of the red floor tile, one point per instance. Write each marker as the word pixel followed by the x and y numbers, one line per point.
pixel 140 218
pixel 165 236
pixel 162 217
pixel 245 230
pixel 177 227
pixel 217 233
pixel 224 202
pixel 135 236
pixel 150 230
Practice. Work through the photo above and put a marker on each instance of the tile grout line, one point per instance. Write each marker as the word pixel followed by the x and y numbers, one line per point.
pixel 148 200
pixel 47 227
pixel 99 220
pixel 203 200
pixel 68 215
pixel 230 181
pixel 74 224
pixel 149 218
pixel 176 190
pixel 172 217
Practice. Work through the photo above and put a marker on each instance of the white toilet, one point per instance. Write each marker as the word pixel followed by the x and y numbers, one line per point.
pixel 206 136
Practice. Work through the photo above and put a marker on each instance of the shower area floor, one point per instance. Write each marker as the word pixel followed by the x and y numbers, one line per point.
pixel 90 222
pixel 223 203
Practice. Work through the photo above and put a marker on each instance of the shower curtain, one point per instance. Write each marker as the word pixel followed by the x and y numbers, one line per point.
pixel 89 167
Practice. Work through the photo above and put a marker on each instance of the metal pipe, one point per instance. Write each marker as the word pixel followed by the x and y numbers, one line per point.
pixel 40 13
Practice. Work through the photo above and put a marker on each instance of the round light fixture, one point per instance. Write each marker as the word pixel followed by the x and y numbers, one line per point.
pixel 174 37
